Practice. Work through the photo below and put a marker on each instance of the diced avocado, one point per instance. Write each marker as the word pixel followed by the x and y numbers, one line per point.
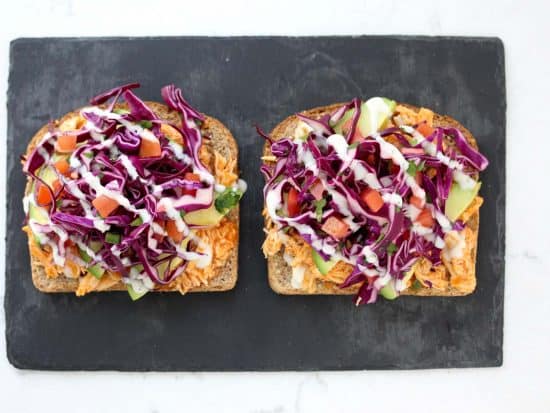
pixel 37 239
pixel 162 268
pixel 136 222
pixel 112 238
pixel 375 112
pixel 38 214
pixel 391 104
pixel 459 199
pixel 338 128
pixel 133 294
pixel 388 292
pixel 96 270
pixel 95 246
pixel 323 266
pixel 203 217
pixel 121 111
pixel 84 255
pixel 48 175
pixel 176 262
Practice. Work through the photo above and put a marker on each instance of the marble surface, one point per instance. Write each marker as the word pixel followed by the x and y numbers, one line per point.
pixel 522 382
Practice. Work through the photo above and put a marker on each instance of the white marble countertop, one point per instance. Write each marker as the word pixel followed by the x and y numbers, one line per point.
pixel 523 382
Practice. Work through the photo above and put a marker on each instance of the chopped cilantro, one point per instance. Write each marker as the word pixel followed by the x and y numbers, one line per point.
pixel 319 205
pixel 391 248
pixel 416 285
pixel 413 168
pixel 227 200
pixel 89 155
pixel 147 124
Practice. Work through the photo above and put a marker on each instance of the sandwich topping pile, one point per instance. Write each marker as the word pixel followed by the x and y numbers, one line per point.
pixel 115 193
pixel 366 195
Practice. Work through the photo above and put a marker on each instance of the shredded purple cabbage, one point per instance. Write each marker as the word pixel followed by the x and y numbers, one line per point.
pixel 153 189
pixel 382 245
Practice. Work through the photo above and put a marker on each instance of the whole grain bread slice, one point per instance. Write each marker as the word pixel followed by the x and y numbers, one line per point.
pixel 219 139
pixel 280 273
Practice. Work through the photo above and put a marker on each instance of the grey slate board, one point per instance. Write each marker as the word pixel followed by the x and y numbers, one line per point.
pixel 242 82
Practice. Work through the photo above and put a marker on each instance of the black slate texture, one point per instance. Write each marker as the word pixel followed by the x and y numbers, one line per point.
pixel 243 82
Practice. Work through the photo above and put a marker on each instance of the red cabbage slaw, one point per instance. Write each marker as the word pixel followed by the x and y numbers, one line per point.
pixel 331 174
pixel 148 190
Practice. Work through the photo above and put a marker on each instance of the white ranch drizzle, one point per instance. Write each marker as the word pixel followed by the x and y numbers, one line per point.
pixel 140 281
pixel 430 148
pixel 389 151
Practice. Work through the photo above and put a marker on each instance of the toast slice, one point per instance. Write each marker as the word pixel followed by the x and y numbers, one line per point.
pixel 220 140
pixel 458 282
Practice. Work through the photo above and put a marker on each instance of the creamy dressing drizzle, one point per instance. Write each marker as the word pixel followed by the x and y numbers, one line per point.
pixel 387 151
pixel 132 171
pixel 361 174
pixel 140 281
pixel 465 181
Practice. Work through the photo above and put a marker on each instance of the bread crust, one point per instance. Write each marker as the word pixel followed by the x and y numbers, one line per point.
pixel 280 273
pixel 220 140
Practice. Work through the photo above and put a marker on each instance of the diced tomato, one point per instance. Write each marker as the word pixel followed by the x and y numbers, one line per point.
pixel 292 201
pixel 190 177
pixel 149 147
pixel 425 129
pixel 56 185
pixel 416 201
pixel 317 190
pixel 62 167
pixel 394 168
pixel 418 178
pixel 335 227
pixel 66 143
pixel 172 230
pixel 43 196
pixel 372 198
pixel 425 218
pixel 161 223
pixel 105 205
pixel 171 133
